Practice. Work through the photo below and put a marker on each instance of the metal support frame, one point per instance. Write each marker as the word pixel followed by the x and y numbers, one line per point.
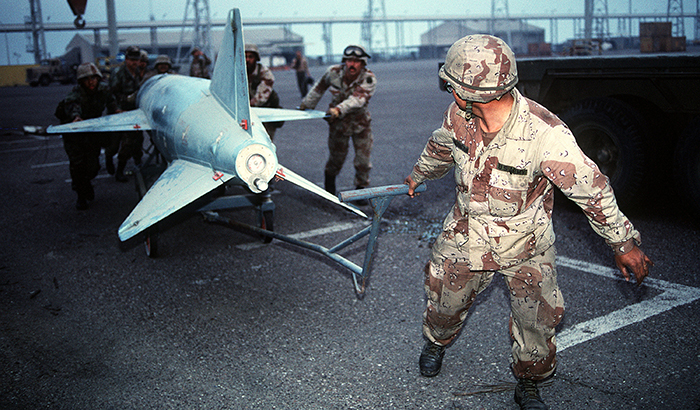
pixel 379 198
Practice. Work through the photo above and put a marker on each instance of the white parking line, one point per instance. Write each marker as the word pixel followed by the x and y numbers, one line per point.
pixel 43 147
pixel 673 295
pixel 52 164
pixel 339 227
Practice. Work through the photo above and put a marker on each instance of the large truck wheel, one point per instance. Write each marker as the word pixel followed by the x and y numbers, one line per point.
pixel 612 134
pixel 687 167
pixel 45 80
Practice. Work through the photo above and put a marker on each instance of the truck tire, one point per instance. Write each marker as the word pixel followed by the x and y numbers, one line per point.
pixel 687 167
pixel 612 134
pixel 44 80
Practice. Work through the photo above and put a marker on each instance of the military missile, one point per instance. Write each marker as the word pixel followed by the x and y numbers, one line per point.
pixel 206 131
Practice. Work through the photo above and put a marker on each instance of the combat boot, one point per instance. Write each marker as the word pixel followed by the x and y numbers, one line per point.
pixel 109 163
pixel 360 202
pixel 330 183
pixel 119 176
pixel 81 204
pixel 89 192
pixel 430 360
pixel 528 396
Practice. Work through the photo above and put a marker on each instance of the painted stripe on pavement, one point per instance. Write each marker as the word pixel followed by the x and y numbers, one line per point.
pixel 339 227
pixel 673 295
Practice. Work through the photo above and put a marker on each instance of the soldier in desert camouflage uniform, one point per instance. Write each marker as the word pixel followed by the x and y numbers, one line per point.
pixel 351 85
pixel 260 82
pixel 508 153
pixel 200 64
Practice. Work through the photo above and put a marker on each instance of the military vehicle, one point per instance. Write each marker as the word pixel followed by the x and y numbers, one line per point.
pixel 637 116
pixel 61 69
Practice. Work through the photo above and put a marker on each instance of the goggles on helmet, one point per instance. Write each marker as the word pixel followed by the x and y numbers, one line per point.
pixel 354 51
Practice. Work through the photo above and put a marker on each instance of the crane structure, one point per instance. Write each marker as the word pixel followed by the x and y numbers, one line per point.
pixel 36 44
pixel 369 26
pixel 593 24
pixel 200 29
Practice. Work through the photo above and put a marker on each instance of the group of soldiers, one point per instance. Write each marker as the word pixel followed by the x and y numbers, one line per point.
pixel 91 98
pixel 508 154
pixel 350 83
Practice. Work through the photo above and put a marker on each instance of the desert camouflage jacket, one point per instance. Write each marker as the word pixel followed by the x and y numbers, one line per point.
pixel 351 99
pixel 260 83
pixel 503 212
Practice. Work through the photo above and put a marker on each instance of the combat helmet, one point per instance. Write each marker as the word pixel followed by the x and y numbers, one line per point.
pixel 480 68
pixel 143 56
pixel 252 48
pixel 163 59
pixel 133 53
pixel 87 70
pixel 355 52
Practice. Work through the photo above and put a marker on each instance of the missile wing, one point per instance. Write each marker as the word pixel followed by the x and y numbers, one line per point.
pixel 206 131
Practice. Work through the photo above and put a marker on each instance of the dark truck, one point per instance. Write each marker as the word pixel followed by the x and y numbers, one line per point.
pixel 636 116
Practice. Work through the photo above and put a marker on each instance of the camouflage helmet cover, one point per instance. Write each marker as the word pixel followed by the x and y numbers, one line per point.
pixel 87 70
pixel 133 53
pixel 163 59
pixel 480 68
pixel 252 48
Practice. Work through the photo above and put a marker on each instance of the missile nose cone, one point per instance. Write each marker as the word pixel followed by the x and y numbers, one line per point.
pixel 260 184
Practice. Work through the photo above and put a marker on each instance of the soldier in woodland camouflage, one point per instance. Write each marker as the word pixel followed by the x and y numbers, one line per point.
pixel 351 85
pixel 125 84
pixel 89 99
pixel 509 153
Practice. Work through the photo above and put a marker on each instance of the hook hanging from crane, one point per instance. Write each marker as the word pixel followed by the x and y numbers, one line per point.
pixel 78 8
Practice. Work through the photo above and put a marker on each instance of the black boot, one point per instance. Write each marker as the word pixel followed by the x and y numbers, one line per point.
pixel 528 396
pixel 81 204
pixel 430 360
pixel 89 192
pixel 109 163
pixel 119 176
pixel 330 183
pixel 360 202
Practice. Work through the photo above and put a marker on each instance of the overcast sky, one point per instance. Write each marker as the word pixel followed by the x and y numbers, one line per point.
pixel 58 11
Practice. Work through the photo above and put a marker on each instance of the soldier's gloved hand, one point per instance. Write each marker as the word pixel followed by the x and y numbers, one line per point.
pixel 303 107
pixel 334 112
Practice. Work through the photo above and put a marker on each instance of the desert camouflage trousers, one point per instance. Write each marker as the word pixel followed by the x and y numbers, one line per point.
pixel 536 306
pixel 338 145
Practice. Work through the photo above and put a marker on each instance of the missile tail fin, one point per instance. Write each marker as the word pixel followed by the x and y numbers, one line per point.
pixel 229 83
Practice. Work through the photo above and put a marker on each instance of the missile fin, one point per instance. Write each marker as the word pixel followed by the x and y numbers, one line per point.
pixel 134 120
pixel 181 184
pixel 289 175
